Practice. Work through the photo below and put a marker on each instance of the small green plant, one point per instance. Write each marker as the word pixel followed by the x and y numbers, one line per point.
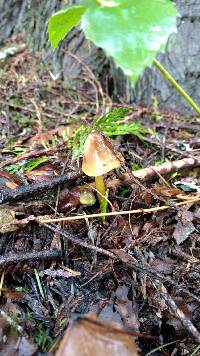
pixel 112 124
pixel 42 338
pixel 131 32
pixel 196 351
pixel 135 166
pixel 37 277
pixel 13 168
pixel 26 167
pixel 34 163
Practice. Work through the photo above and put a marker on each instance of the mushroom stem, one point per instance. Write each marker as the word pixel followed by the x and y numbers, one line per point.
pixel 100 187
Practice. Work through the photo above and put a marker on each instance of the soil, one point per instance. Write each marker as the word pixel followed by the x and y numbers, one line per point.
pixel 140 270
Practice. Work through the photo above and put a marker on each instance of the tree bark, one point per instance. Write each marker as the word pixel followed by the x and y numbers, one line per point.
pixel 181 58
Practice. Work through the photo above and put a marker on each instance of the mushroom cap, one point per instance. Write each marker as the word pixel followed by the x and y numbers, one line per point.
pixel 99 155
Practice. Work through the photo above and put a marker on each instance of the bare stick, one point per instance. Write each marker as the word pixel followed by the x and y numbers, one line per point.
pixel 185 321
pixel 166 168
pixel 46 220
pixel 10 259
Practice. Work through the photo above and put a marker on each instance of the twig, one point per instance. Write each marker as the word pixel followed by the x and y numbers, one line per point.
pixel 27 190
pixel 28 256
pixel 122 256
pixel 71 238
pixel 28 155
pixel 185 321
pixel 146 174
pixel 45 220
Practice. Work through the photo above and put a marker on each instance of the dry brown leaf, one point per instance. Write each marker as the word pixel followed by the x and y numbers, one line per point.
pixel 8 181
pixel 87 338
pixel 167 192
pixel 6 217
pixel 47 136
pixel 46 171
pixel 184 226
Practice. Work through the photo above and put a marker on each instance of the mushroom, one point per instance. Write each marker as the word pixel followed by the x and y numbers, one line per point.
pixel 99 158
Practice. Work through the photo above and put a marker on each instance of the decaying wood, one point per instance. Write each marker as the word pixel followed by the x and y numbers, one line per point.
pixel 11 51
pixel 146 174
pixel 11 258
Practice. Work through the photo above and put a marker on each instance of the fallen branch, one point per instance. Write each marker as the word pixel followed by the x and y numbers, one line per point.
pixel 11 51
pixel 28 256
pixel 166 168
pixel 27 190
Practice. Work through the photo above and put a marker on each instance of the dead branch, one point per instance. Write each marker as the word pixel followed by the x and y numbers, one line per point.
pixel 11 51
pixel 146 174
pixel 185 321
pixel 27 190
pixel 28 256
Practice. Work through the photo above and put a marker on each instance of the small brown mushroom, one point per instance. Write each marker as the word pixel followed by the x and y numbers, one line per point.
pixel 99 158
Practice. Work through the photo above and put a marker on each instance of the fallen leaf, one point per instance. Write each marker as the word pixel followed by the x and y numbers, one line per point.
pixel 165 192
pixel 68 199
pixel 6 217
pixel 8 181
pixel 46 171
pixel 182 232
pixel 184 226
pixel 84 337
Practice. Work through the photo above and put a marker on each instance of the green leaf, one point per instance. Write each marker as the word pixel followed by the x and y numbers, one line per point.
pixel 132 33
pixel 62 22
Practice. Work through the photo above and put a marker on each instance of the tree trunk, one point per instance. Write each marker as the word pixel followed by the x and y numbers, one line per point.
pixel 181 58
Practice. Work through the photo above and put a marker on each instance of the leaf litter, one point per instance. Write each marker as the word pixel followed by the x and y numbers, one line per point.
pixel 128 270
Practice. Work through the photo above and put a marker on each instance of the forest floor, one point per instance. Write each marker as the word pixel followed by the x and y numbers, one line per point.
pixel 141 270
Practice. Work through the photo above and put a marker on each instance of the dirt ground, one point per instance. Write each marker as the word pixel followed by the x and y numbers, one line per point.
pixel 140 270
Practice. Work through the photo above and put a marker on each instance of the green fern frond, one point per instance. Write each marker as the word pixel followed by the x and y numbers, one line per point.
pixel 112 124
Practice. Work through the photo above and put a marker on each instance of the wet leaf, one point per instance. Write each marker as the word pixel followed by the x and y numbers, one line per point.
pixel 13 294
pixel 131 33
pixel 69 199
pixel 167 192
pixel 8 181
pixel 6 217
pixel 85 338
pixel 188 186
pixel 42 173
pixel 59 273
pixel 184 226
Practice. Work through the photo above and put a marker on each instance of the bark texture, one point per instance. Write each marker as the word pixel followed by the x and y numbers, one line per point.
pixel 181 59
